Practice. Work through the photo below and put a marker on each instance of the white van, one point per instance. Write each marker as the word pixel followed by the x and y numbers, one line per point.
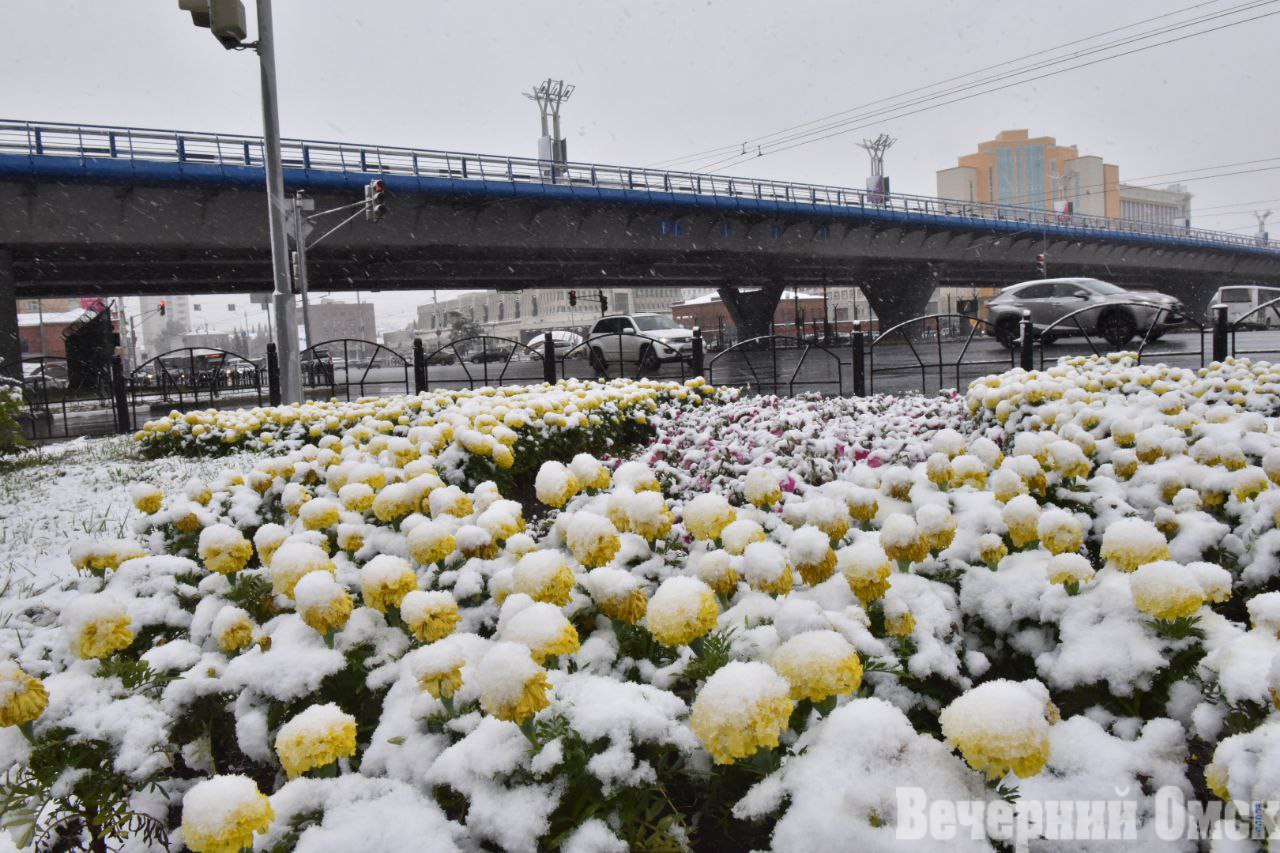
pixel 1241 300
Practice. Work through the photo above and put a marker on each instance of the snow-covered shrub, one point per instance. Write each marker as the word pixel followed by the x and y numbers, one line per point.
pixel 11 438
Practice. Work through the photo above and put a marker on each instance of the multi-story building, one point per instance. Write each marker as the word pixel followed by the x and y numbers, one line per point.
pixel 1020 170
pixel 334 320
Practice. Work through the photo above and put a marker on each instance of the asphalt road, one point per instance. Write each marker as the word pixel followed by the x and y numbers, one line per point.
pixel 895 366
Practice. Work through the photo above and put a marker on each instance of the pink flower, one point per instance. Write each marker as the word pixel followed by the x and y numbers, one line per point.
pixel 789 484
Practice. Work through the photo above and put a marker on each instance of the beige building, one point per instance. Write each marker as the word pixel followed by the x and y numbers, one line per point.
pixel 334 320
pixel 1020 170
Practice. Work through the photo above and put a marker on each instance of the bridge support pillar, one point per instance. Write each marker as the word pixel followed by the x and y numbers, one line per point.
pixel 752 310
pixel 10 343
pixel 898 297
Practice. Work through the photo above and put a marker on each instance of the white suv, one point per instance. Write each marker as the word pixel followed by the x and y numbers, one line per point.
pixel 644 339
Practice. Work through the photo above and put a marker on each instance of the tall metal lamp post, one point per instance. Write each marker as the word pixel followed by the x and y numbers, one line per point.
pixel 226 20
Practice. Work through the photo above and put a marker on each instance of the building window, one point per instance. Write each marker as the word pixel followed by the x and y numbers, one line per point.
pixel 672 228
pixel 32 305
pixel 502 311
pixel 822 233
pixel 533 305
pixel 518 308
pixel 486 313
pixel 726 229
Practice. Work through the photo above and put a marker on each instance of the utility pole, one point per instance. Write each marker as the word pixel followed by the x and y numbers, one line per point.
pixel 286 316
pixel 226 20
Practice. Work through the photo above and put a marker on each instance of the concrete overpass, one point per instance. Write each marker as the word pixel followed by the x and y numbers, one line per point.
pixel 116 211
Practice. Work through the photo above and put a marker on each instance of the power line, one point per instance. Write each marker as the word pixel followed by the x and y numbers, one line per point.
pixel 729 162
pixel 919 89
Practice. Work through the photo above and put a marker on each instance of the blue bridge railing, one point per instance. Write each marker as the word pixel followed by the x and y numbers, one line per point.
pixel 38 141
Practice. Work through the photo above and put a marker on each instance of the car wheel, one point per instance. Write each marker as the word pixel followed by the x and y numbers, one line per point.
pixel 597 361
pixel 1154 336
pixel 1007 333
pixel 649 359
pixel 1117 327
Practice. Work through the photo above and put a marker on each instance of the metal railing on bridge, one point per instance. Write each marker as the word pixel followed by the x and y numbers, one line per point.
pixel 490 173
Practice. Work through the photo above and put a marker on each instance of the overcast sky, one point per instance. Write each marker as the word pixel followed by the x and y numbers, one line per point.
pixel 661 80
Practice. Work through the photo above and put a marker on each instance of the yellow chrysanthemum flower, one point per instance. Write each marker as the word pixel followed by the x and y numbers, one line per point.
pixel 222 814
pixel 385 581
pixel 511 685
pixel 321 602
pixel 901 539
pixel 715 569
pixel 23 697
pixel 743 707
pixel 320 514
pixel 555 484
pixel 224 549
pixel 1060 532
pixel 1133 542
pixel 233 629
pixel 431 615
pixel 97 626
pixel 315 738
pixel 292 560
pixel 866 568
pixel 544 576
pixel 1000 726
pixel 706 516
pixel 592 539
pixel 681 610
pixel 146 497
pixel 1166 590
pixel 818 664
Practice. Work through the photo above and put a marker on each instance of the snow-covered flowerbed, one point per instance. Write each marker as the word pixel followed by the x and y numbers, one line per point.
pixel 811 437
pixel 1069 598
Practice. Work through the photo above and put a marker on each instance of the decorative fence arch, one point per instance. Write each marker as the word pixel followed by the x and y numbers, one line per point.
pixel 828 359
pixel 365 365
pixel 53 409
pixel 1071 324
pixel 968 326
pixel 1267 310
pixel 180 377
pixel 491 361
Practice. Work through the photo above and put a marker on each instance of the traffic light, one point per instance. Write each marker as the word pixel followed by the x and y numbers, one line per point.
pixel 1041 267
pixel 573 299
pixel 604 302
pixel 160 307
pixel 375 194
pixel 224 18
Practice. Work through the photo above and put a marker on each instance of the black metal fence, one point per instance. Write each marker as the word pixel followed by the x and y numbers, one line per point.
pixel 924 355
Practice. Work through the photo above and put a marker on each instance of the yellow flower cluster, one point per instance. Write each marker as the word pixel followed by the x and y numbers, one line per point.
pixel 317 737
pixel 743 708
pixel 23 697
pixel 222 814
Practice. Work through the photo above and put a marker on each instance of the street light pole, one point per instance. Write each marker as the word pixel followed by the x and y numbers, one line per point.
pixel 286 316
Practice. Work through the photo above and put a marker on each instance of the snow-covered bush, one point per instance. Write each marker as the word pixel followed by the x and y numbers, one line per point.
pixel 11 438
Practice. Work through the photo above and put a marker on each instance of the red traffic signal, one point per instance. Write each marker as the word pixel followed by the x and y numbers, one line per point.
pixel 1041 266
pixel 160 307
pixel 573 299
pixel 604 302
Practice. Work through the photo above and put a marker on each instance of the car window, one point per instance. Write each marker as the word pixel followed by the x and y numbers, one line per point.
pixel 654 322
pixel 623 324
pixel 1035 291
pixel 1065 289
pixel 1236 294
pixel 609 325
pixel 1106 288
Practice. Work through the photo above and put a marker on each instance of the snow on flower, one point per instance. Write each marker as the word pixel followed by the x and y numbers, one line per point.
pixel 222 814
pixel 741 709
pixel 1000 727
pixel 315 738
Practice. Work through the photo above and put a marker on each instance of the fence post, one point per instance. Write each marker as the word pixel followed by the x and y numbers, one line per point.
pixel 273 375
pixel 121 395
pixel 859 361
pixel 1219 332
pixel 548 359
pixel 419 367
pixel 696 353
pixel 1025 338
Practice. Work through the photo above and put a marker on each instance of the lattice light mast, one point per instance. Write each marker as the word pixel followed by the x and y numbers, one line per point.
pixel 877 184
pixel 549 95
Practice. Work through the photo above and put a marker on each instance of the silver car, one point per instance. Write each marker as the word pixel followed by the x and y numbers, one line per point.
pixel 1111 314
